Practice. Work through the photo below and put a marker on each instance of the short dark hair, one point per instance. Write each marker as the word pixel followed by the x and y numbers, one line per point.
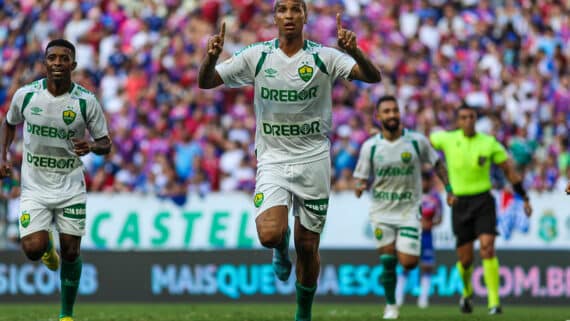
pixel 61 43
pixel 386 98
pixel 465 106
pixel 303 3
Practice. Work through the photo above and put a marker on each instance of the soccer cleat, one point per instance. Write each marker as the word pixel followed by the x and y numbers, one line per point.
pixel 50 258
pixel 466 305
pixel 281 263
pixel 495 310
pixel 391 312
pixel 66 319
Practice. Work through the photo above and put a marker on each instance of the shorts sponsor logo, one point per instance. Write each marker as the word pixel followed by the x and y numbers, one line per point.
pixel 305 72
pixel 48 162
pixel 258 199
pixel 318 207
pixel 68 116
pixel 291 130
pixel 48 131
pixel 378 233
pixel 25 219
pixel 287 95
pixel 406 157
pixel 76 211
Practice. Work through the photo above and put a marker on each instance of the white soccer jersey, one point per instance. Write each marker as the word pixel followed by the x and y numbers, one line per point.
pixel 292 97
pixel 396 189
pixel 50 168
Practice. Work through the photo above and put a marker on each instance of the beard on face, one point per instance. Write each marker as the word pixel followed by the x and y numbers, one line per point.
pixel 391 125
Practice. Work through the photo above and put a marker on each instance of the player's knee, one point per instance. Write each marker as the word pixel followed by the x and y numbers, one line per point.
pixel 410 263
pixel 487 251
pixel 33 249
pixel 270 239
pixel 70 255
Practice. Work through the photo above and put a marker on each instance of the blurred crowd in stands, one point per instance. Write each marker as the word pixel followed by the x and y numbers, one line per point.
pixel 510 59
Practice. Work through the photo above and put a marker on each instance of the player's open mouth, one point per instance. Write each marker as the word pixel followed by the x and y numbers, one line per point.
pixel 289 26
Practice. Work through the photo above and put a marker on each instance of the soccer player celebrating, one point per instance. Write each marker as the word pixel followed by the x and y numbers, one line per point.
pixel 55 112
pixel 293 78
pixel 474 216
pixel 394 159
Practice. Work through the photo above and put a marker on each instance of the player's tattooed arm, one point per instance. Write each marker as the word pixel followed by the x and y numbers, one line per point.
pixel 364 69
pixel 7 133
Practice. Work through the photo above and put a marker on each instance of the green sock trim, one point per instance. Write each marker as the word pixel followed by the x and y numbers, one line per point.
pixel 70 275
pixel 491 276
pixel 388 277
pixel 466 278
pixel 305 297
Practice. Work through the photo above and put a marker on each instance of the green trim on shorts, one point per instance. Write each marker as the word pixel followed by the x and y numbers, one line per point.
pixel 319 206
pixel 76 211
pixel 409 228
pixel 409 235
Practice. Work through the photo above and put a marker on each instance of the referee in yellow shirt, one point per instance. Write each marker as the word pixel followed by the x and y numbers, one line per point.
pixel 469 156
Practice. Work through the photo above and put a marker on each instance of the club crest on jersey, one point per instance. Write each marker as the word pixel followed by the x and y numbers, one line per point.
pixel 406 157
pixel 25 219
pixel 305 72
pixel 68 116
pixel 258 199
pixel 378 233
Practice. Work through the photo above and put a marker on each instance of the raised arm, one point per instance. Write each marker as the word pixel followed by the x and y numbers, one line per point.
pixel 208 77
pixel 364 69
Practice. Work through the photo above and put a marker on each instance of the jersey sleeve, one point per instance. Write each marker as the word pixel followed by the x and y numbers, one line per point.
pixel 96 122
pixel 498 152
pixel 237 70
pixel 14 115
pixel 427 153
pixel 340 64
pixel 438 140
pixel 364 163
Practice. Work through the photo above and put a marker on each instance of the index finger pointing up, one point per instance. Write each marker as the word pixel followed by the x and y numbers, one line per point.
pixel 338 22
pixel 223 30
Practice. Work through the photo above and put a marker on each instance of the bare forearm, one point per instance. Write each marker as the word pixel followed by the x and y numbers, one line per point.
pixel 7 133
pixel 441 171
pixel 207 73
pixel 370 73
pixel 101 146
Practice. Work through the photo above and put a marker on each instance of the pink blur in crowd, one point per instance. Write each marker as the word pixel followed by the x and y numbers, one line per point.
pixel 507 58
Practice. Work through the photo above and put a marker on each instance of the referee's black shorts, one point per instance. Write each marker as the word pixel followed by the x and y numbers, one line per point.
pixel 472 216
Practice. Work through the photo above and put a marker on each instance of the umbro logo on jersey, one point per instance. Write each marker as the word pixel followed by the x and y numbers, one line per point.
pixel 270 73
pixel 36 111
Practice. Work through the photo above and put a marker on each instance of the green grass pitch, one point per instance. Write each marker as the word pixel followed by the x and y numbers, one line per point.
pixel 269 312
